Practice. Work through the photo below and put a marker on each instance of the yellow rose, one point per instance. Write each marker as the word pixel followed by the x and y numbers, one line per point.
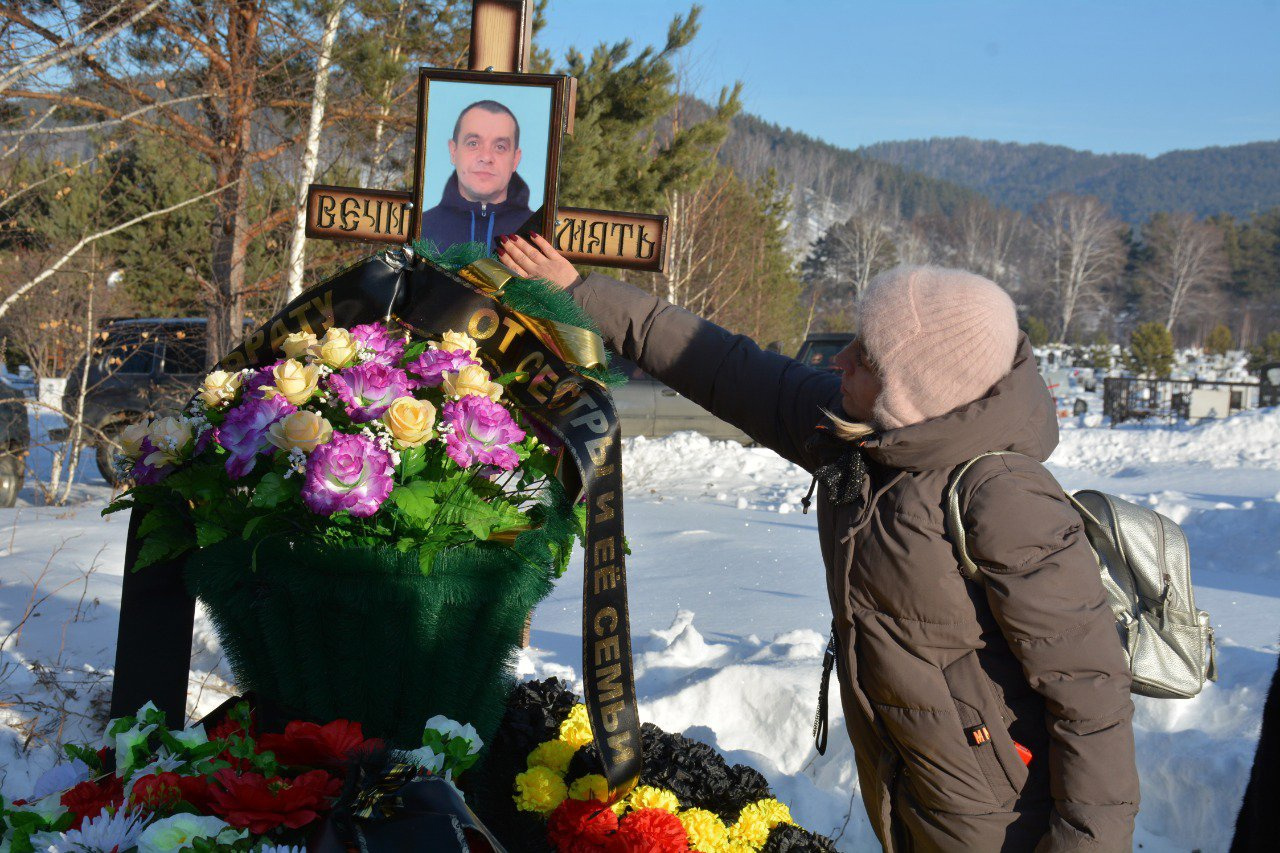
pixel 296 382
pixel 219 387
pixel 298 344
pixel 410 421
pixel 336 349
pixel 131 439
pixel 302 429
pixel 170 437
pixel 459 341
pixel 472 380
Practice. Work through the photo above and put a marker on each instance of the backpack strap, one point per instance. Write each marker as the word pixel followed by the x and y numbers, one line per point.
pixel 955 519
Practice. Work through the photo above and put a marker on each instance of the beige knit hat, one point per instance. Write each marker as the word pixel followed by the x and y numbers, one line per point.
pixel 940 338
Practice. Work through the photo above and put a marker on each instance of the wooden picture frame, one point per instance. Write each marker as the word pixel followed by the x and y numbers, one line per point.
pixel 431 167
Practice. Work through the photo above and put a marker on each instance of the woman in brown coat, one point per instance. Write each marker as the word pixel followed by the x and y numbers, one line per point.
pixel 984 716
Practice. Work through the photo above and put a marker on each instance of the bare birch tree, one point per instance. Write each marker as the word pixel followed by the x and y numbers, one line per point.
pixel 311 148
pixel 1187 258
pixel 1081 252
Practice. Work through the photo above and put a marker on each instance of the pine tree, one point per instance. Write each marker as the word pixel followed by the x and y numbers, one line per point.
pixel 1220 340
pixel 1151 351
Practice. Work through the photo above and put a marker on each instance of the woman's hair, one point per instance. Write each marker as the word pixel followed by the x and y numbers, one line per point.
pixel 847 430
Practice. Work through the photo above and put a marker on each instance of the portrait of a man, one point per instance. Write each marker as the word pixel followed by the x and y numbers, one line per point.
pixel 485 197
pixel 484 156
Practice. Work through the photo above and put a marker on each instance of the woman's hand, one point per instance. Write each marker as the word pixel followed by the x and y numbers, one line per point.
pixel 536 259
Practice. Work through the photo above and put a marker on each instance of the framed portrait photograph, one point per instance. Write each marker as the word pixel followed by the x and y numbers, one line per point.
pixel 487 155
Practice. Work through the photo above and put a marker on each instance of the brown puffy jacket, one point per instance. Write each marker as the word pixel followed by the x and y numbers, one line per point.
pixel 925 656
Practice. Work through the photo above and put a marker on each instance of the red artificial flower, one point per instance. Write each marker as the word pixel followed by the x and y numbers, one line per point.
pixel 162 792
pixel 310 745
pixel 581 826
pixel 89 798
pixel 649 831
pixel 252 801
pixel 228 727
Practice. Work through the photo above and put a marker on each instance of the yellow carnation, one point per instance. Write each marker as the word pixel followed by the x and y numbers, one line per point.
pixel 649 797
pixel 590 787
pixel 706 831
pixel 554 754
pixel 751 828
pixel 539 789
pixel 770 811
pixel 576 729
pixel 733 846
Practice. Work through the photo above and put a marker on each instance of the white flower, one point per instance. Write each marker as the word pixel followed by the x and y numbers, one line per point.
pixel 125 742
pixel 61 778
pixel 426 758
pixel 449 729
pixel 177 833
pixel 48 807
pixel 190 738
pixel 107 831
pixel 279 848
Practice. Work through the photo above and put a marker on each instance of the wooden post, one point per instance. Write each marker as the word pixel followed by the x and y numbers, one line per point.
pixel 501 35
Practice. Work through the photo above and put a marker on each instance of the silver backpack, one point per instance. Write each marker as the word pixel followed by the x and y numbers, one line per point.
pixel 1146 572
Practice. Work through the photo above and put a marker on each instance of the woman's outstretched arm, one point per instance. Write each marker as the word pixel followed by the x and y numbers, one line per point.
pixel 774 399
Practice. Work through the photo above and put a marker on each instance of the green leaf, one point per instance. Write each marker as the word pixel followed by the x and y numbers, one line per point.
pixel 160 519
pixel 250 526
pixel 508 378
pixel 273 490
pixel 414 351
pixel 419 501
pixel 207 534
pixel 159 548
pixel 119 505
pixel 412 461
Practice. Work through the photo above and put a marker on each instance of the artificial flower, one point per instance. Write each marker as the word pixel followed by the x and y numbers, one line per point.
pixel 108 830
pixel 448 730
pixel 161 792
pixel 144 474
pixel 429 368
pixel 125 743
pixel 750 828
pixel 297 344
pixel 555 754
pixel 459 342
pixel 384 347
pixel 305 744
pixel 410 420
pixel 337 349
pixel 131 438
pixel 257 383
pixel 426 758
pixel 482 432
pixel 592 786
pixel 578 826
pixel 705 830
pixel 576 728
pixel 179 831
pixel 294 381
pixel 219 388
pixel 190 738
pixel 539 789
pixel 770 811
pixel 350 472
pixel 368 390
pixel 471 380
pixel 92 796
pixel 252 801
pixel 60 777
pixel 171 438
pixel 304 430
pixel 649 831
pixel 648 797
pixel 244 433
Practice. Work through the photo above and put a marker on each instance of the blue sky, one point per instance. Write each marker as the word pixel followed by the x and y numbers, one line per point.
pixel 1121 76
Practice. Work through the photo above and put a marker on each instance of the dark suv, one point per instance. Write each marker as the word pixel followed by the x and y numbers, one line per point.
pixel 820 348
pixel 15 438
pixel 139 368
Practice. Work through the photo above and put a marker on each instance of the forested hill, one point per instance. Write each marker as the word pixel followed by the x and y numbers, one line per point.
pixel 1240 179
pixel 754 146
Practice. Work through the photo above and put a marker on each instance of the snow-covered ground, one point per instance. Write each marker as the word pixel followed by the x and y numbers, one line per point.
pixel 729 616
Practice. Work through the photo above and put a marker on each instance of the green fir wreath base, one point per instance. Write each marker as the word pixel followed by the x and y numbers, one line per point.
pixel 361 634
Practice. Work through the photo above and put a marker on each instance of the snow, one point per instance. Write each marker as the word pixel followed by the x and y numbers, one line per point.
pixel 730 616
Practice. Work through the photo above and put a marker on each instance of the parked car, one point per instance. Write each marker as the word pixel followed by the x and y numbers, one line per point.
pixel 15 439
pixel 139 368
pixel 819 349
pixel 649 408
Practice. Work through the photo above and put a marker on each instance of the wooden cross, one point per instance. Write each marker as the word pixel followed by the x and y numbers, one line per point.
pixel 501 32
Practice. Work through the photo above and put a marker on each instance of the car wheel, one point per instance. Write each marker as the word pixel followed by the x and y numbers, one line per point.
pixel 105 452
pixel 12 472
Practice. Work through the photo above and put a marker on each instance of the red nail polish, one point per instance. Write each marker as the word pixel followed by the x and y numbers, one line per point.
pixel 534 234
